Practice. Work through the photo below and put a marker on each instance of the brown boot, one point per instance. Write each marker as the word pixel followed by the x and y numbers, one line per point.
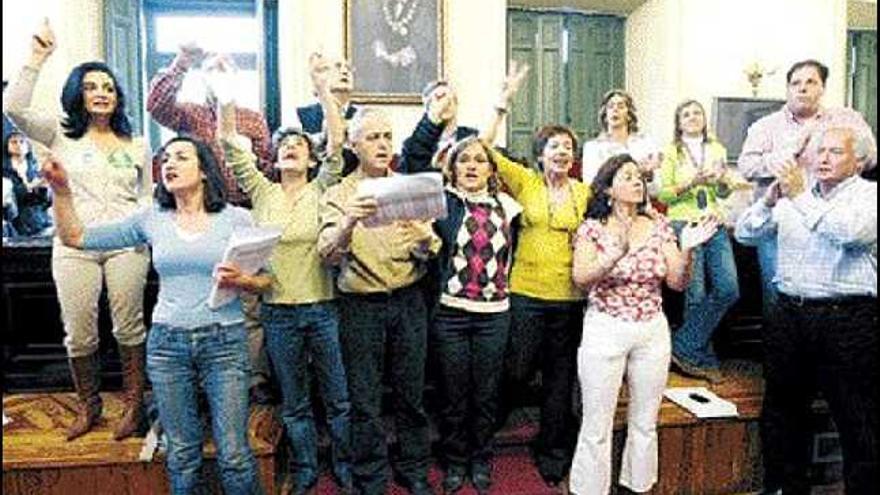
pixel 133 382
pixel 84 371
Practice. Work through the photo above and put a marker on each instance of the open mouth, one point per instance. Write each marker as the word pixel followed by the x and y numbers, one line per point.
pixel 170 176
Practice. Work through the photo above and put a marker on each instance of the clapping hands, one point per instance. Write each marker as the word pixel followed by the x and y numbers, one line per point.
pixel 694 234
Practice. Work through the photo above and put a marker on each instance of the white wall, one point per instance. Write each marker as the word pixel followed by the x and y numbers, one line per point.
pixel 699 49
pixel 78 26
pixel 475 56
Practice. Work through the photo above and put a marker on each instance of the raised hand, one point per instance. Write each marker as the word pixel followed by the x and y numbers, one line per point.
pixel 694 234
pixel 516 74
pixel 441 104
pixel 43 43
pixel 319 71
pixel 221 77
pixel 189 55
pixel 56 177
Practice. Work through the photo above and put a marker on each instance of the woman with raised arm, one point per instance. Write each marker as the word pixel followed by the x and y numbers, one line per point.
pixel 109 178
pixel 191 344
pixel 546 307
pixel 623 253
pixel 299 310
pixel 695 177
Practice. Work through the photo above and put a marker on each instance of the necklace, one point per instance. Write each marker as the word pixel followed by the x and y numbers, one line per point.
pixel 399 20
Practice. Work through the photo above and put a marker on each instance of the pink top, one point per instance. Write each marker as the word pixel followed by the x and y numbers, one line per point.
pixel 632 289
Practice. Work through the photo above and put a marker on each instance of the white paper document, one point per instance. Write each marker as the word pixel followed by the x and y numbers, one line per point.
pixel 250 249
pixel 405 197
pixel 701 402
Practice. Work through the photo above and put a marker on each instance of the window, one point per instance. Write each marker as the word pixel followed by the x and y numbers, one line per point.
pixel 232 27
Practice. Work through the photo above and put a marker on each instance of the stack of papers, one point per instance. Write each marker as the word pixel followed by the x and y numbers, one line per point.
pixel 701 402
pixel 250 249
pixel 405 197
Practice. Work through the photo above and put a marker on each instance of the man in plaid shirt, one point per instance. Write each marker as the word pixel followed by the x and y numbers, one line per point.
pixel 199 120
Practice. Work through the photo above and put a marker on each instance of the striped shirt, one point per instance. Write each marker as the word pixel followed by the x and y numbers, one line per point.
pixel 827 245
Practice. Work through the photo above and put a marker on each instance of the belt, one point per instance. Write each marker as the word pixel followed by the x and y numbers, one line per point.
pixel 826 302
pixel 380 297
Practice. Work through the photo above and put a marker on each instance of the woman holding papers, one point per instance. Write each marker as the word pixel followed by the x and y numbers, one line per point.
pixel 189 344
pixel 623 253
pixel 546 307
pixel 299 312
pixel 109 178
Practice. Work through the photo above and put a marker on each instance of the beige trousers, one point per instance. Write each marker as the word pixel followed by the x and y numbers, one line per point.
pixel 79 276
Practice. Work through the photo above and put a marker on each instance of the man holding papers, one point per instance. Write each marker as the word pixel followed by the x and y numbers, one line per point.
pixel 380 302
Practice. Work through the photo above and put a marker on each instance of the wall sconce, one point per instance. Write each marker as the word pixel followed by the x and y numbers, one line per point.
pixel 755 73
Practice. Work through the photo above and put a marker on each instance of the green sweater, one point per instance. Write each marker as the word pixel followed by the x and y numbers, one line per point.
pixel 676 170
pixel 299 276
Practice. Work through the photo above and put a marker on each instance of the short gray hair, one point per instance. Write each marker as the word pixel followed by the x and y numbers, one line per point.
pixel 861 145
pixel 364 115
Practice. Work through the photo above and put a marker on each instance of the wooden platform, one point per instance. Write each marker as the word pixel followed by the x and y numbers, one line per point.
pixel 38 460
pixel 709 456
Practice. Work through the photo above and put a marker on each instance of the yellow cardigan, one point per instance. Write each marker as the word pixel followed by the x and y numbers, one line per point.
pixel 543 259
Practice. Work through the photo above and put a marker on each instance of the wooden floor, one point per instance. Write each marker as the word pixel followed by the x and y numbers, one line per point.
pixel 700 457
pixel 37 459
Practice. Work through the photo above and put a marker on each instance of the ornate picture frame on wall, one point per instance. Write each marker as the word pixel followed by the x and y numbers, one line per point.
pixel 732 117
pixel 395 47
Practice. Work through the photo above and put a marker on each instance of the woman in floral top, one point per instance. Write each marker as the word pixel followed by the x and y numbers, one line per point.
pixel 624 252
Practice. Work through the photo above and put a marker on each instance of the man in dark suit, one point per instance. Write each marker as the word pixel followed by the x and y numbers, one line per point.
pixel 311 117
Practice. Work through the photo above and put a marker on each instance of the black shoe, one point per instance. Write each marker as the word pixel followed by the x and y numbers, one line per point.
pixel 262 394
pixel 420 487
pixel 482 481
pixel 453 481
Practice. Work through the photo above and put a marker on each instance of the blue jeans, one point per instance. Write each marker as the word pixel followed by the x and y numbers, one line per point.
pixel 713 289
pixel 179 361
pixel 293 334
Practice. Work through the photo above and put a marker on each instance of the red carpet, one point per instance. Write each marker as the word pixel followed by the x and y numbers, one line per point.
pixel 514 474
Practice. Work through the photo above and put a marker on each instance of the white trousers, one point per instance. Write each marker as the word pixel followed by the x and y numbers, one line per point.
pixel 611 347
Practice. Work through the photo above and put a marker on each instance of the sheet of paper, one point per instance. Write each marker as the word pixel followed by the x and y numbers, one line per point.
pixel 701 402
pixel 250 249
pixel 405 197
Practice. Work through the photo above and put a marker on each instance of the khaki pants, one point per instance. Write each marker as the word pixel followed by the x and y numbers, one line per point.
pixel 79 276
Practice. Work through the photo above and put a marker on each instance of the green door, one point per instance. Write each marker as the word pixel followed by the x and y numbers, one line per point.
pixel 863 83
pixel 574 59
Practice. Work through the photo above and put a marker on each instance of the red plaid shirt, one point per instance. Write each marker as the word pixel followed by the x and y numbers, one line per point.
pixel 200 122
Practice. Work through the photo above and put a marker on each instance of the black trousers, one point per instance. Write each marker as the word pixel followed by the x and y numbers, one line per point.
pixel 370 326
pixel 832 348
pixel 470 351
pixel 547 334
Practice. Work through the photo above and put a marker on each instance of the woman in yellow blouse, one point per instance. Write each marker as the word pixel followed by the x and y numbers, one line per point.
pixel 546 307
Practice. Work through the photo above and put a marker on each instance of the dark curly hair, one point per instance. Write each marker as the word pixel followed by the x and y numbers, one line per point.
pixel 77 119
pixel 548 132
pixel 600 206
pixel 215 188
